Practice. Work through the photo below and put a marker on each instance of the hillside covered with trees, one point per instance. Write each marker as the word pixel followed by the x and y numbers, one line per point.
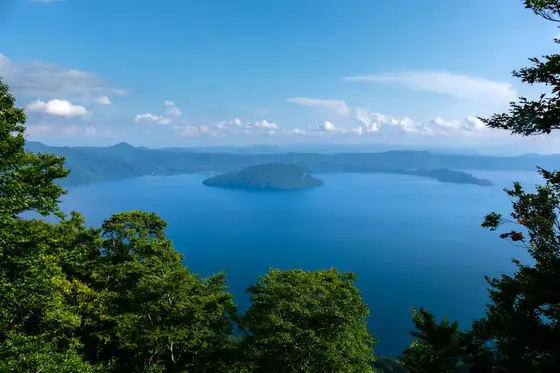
pixel 119 298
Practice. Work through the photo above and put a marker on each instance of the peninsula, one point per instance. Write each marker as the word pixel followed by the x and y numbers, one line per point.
pixel 271 176
pixel 449 176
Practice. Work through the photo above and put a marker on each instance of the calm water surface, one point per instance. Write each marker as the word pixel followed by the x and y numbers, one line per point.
pixel 412 241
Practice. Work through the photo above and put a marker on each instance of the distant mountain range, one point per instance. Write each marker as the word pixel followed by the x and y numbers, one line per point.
pixel 91 164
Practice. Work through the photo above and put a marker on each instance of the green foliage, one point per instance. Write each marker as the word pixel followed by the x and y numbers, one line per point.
pixel 41 293
pixel 387 365
pixel 522 323
pixel 308 322
pixel 161 317
pixel 528 117
pixel 26 179
pixel 521 327
pixel 437 348
pixel 20 353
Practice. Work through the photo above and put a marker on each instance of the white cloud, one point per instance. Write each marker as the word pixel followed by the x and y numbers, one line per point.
pixel 56 107
pixel 173 110
pixel 327 126
pixel 152 118
pixel 47 81
pixel 228 127
pixel 297 131
pixel 373 122
pixel 237 125
pixel 103 100
pixel 338 106
pixel 457 85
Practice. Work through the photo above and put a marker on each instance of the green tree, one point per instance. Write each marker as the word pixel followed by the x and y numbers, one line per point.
pixel 521 325
pixel 520 331
pixel 308 322
pixel 161 317
pixel 41 295
pixel 438 346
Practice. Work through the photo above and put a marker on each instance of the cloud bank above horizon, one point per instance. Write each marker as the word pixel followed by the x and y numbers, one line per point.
pixel 69 104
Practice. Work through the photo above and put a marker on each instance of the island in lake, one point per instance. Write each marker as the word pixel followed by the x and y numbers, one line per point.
pixel 449 176
pixel 271 176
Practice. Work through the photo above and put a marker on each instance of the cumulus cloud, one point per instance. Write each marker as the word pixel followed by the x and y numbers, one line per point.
pixel 296 131
pixel 39 79
pixel 228 127
pixel 328 127
pixel 338 106
pixel 457 85
pixel 171 111
pixel 56 107
pixel 363 121
pixel 149 117
pixel 373 122
pixel 236 126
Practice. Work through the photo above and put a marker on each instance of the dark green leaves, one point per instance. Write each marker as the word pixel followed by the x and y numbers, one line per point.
pixel 437 346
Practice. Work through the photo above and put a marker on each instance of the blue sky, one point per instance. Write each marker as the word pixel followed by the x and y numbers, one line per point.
pixel 189 72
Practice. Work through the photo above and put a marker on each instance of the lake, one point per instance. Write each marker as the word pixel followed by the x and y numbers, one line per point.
pixel 412 241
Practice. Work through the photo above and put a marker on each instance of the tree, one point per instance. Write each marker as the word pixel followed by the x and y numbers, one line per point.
pixel 308 322
pixel 41 294
pixel 160 316
pixel 521 326
pixel 520 331
pixel 438 346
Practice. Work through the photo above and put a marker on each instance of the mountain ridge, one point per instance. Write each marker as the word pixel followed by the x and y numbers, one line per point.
pixel 122 160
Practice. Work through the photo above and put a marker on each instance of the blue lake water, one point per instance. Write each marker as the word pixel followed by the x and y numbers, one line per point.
pixel 412 241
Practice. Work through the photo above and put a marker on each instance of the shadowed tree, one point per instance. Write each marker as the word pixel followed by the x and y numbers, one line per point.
pixel 437 348
pixel 520 331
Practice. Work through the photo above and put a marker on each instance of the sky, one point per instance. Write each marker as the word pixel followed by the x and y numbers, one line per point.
pixel 223 72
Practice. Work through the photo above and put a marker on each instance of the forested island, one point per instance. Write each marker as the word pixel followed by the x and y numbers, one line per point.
pixel 272 176
pixel 449 176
